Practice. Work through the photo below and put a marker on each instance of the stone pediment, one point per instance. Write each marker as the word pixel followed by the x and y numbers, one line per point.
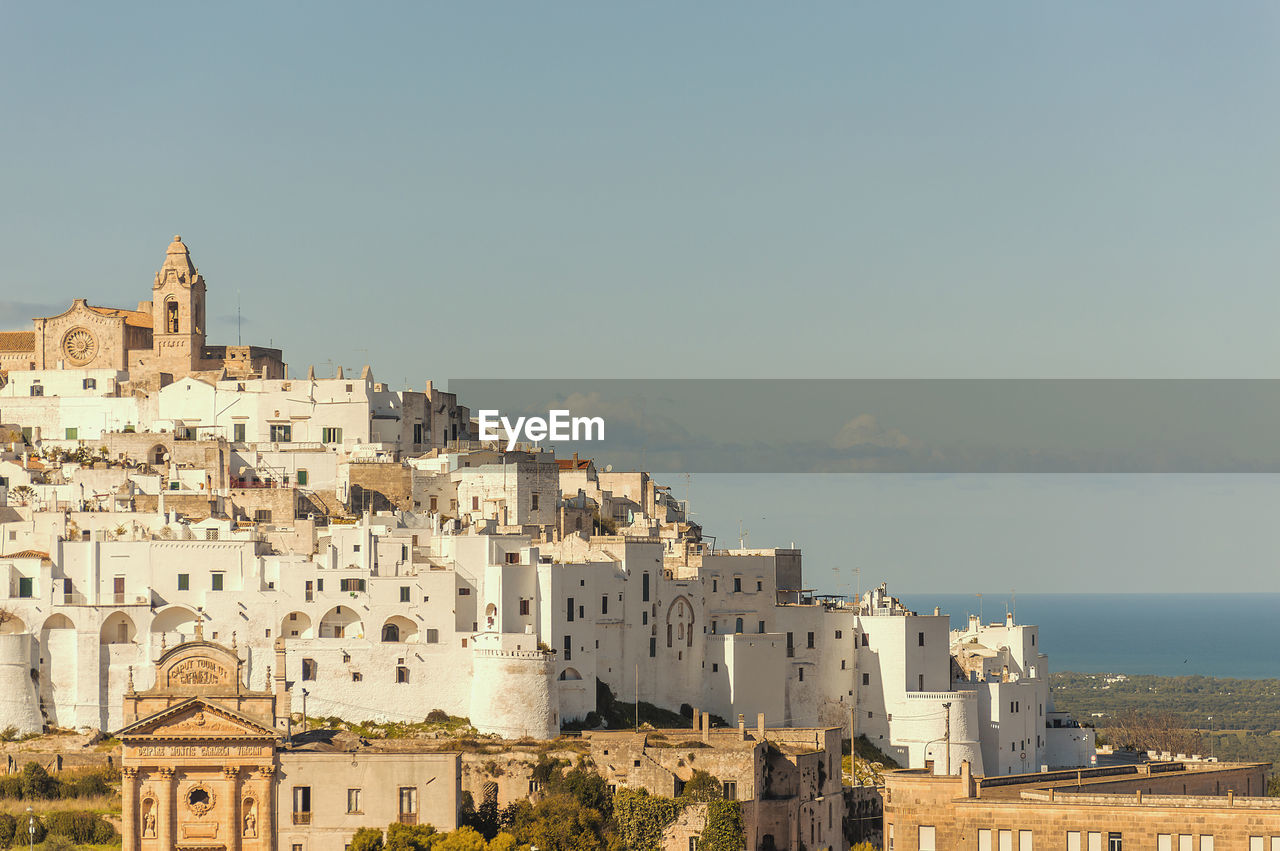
pixel 196 718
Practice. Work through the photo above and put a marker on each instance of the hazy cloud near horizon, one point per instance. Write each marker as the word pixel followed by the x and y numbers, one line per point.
pixel 17 315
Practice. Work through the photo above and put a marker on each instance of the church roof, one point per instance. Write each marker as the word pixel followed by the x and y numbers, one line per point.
pixel 136 318
pixel 157 721
pixel 177 256
pixel 17 341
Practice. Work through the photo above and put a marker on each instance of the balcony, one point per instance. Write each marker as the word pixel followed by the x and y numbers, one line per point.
pixel 302 818
pixel 408 818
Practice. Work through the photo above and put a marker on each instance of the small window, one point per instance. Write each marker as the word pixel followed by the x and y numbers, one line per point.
pixel 533 502
pixel 357 677
pixel 464 591
pixel 25 586
pixel 408 800
pixel 866 640
pixel 237 433
pixel 730 791
pixel 737 584
pixel 404 593
pixel 262 515
pixel 1115 842
pixel 809 641
pixel 475 503
pixel 330 435
pixel 402 674
pixel 928 838
pixel 715 667
pixel 281 433
pixel 568 647
pixel 433 636
pixel 73 433
pixel 604 604
pixel 309 669
pixel 353 801
pixel 301 477
pixel 800 672
pixel 217 582
pixel 839 635
pixel 524 608
pixel 184 581
pixel 37 390
pixel 866 679
pixel 760 629
pixel 653 647
pixel 920 639
pixel 91 384
pixel 759 585
pixel 571 610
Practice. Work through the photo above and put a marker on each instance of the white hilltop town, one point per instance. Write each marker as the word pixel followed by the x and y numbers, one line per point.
pixel 366 557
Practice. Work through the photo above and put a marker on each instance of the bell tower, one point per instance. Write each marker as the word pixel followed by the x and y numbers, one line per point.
pixel 178 312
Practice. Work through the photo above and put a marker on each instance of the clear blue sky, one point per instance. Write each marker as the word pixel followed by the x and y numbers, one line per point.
pixel 1000 189
pixel 665 189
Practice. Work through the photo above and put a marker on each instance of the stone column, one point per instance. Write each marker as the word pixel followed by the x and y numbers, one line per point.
pixel 130 828
pixel 232 827
pixel 267 817
pixel 166 803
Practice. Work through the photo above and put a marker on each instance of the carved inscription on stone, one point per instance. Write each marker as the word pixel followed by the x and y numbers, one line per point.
pixel 202 750
pixel 198 672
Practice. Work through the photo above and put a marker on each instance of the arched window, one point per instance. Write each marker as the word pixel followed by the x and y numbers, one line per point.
pixel 391 632
pixel 737 627
pixel 171 316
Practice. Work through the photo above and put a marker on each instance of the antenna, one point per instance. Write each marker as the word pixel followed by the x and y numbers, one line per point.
pixel 239 340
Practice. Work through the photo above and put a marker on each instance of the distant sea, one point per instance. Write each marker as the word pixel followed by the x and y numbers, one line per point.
pixel 1214 635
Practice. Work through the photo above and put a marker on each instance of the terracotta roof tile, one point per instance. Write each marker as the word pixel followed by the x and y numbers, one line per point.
pixel 17 341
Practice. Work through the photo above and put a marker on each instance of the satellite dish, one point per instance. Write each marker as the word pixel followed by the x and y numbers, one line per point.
pixel 608 468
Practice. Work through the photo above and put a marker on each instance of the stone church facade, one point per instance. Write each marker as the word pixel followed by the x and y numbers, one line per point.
pixel 208 765
pixel 161 341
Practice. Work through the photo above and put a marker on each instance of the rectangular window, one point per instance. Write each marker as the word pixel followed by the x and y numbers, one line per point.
pixel 1256 843
pixel 73 433
pixel 984 840
pixel 281 433
pixel 302 805
pixel 737 584
pixel 653 647
pixel 184 581
pixel 217 582
pixel 417 432
pixel 866 679
pixel 533 502
pixel 1095 841
pixel 1184 842
pixel 759 585
pixel 237 433
pixel 309 669
pixel 464 591
pixel 1025 841
pixel 928 838
pixel 434 503
pixel 731 791
pixel 1114 842
pixel 433 636
pixel 1206 843
pixel 25 586
pixel 524 607
pixel 644 587
pixel 352 585
pixel 809 641
pixel 331 435
pixel 302 478
pixel 37 390
pixel 353 801
pixel 91 384
pixel 402 674
pixel 568 648
pixel 604 604
pixel 570 610
pixel 920 639
pixel 1073 840
pixel 404 593
pixel 1005 839
pixel 408 800
pixel 262 515
pixel 866 640
pixel 761 629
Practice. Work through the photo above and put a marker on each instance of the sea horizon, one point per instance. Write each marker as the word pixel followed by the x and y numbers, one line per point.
pixel 1212 634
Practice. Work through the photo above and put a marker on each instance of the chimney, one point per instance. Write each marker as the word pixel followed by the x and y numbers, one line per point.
pixel 937 610
pixel 1004 674
pixel 706 727
pixel 760 726
pixel 1008 618
pixel 697 719
pixel 966 779
pixel 742 727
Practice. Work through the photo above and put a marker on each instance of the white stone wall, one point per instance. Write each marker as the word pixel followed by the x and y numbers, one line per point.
pixel 19 704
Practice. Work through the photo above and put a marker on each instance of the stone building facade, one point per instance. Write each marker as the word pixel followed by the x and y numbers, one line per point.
pixel 162 340
pixel 1168 806
pixel 209 764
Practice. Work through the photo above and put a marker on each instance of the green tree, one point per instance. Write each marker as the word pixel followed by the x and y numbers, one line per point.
pixel 502 842
pixel 703 786
pixel 463 839
pixel 36 782
pixel 724 830
pixel 409 837
pixel 366 839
